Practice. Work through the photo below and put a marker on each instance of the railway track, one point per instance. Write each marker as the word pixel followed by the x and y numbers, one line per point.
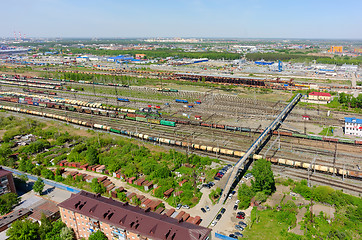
pixel 201 135
pixel 317 178
pixel 220 107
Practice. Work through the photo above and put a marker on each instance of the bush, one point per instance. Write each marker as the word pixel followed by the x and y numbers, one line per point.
pixel 261 196
pixel 245 194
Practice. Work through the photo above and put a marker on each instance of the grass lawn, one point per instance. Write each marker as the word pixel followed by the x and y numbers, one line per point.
pixel 266 227
pixel 327 131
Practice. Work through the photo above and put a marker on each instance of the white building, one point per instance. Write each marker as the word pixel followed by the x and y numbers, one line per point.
pixel 353 126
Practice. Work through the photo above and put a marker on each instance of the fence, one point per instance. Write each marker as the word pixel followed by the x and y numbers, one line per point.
pixel 46 181
pixel 218 235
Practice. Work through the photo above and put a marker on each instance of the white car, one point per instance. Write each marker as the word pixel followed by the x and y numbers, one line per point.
pixel 213 223
pixel 237 201
pixel 207 208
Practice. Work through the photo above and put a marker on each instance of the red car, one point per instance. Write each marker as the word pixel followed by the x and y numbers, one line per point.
pixel 158 107
pixel 240 216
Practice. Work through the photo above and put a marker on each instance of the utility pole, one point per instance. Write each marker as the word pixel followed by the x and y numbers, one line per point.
pixel 334 160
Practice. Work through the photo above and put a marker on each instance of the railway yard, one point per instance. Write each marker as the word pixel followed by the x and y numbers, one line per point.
pixel 210 123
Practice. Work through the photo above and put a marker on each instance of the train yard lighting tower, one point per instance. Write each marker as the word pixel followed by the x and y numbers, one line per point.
pixel 310 168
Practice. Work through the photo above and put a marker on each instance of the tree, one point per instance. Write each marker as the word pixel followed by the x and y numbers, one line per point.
pixel 54 232
pixel 67 234
pixel 48 174
pixel 96 186
pixel 264 177
pixel 45 226
pixel 136 200
pixel 7 201
pixel 23 230
pixel 99 235
pixel 38 186
pixel 92 156
pixel 122 196
pixel 245 194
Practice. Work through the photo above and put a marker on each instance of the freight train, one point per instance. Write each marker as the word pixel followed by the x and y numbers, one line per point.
pixel 212 149
pixel 142 115
pixel 119 112
pixel 39 91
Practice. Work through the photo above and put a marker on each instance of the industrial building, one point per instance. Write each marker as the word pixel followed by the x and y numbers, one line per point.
pixel 86 213
pixel 353 126
pixel 6 182
pixel 320 96
pixel 336 49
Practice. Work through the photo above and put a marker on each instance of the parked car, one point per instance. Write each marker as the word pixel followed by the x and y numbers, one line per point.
pixel 237 201
pixel 235 207
pixel 243 224
pixel 233 236
pixel 178 206
pixel 233 192
pixel 218 217
pixel 238 234
pixel 241 213
pixel 229 165
pixel 207 208
pixel 203 210
pixel 222 210
pixel 213 223
pixel 216 178
pixel 238 227
pixel 240 217
pixel 211 184
pixel 186 206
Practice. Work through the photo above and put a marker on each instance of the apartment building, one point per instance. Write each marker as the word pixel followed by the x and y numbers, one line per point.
pixel 6 182
pixel 87 212
pixel 353 126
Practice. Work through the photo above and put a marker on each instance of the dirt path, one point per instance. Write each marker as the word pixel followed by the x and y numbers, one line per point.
pixel 300 217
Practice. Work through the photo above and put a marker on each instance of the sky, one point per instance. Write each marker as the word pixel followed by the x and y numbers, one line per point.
pixel 317 19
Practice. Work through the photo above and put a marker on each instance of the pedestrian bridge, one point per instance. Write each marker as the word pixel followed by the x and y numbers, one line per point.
pixel 241 165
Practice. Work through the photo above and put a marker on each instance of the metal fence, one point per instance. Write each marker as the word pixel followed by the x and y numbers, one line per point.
pixel 46 181
pixel 218 235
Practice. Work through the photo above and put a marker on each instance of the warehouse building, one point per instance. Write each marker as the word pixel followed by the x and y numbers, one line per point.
pixel 320 96
pixel 86 213
pixel 353 126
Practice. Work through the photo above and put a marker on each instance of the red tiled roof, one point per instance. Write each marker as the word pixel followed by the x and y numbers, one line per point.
pixel 320 94
pixel 133 219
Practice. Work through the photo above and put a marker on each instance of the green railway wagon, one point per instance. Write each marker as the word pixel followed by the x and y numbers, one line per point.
pixel 173 90
pixel 71 108
pixel 141 113
pixel 154 115
pixel 115 130
pixel 131 118
pixel 315 137
pixel 141 119
pixel 349 141
pixel 167 123
pixel 299 135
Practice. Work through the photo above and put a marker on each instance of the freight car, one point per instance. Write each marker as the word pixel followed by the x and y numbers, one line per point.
pixel 292 163
pixel 123 99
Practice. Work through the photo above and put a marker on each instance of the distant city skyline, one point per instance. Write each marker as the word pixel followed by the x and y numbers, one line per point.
pixel 307 19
